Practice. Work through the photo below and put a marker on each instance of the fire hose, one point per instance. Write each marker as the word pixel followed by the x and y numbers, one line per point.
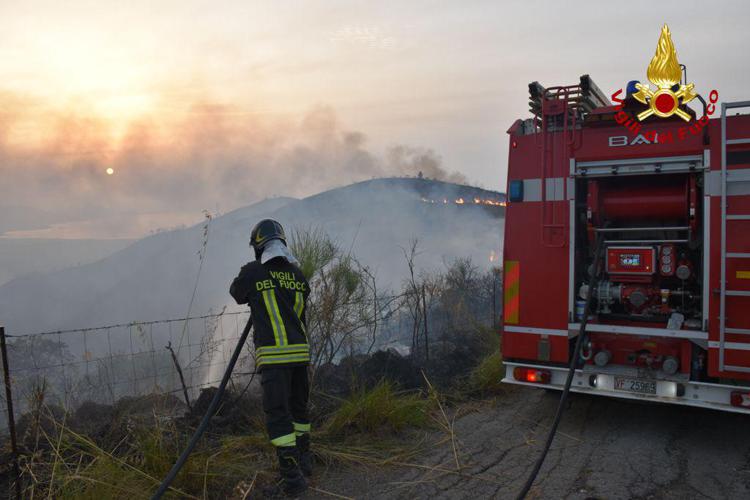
pixel 207 417
pixel 593 274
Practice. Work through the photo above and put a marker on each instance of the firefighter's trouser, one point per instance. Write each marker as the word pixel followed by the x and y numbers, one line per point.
pixel 285 394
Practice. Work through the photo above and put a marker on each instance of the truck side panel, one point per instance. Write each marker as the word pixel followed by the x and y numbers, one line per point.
pixel 539 329
pixel 737 312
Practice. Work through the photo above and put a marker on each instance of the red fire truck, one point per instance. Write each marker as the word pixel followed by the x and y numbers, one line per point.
pixel 667 202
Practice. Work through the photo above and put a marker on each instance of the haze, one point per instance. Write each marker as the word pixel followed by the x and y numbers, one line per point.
pixel 206 105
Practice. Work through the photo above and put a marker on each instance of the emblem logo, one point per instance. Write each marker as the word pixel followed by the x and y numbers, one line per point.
pixel 664 71
pixel 666 100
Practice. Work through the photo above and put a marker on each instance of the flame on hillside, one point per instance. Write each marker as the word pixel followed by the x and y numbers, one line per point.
pixel 462 201
pixel 494 256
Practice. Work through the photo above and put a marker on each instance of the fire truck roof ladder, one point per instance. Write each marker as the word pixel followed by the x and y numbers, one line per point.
pixel 723 330
pixel 559 109
pixel 586 96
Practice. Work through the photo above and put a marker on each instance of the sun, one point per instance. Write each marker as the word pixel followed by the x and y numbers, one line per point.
pixel 110 171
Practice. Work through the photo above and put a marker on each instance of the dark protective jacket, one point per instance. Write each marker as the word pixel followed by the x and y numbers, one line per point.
pixel 276 292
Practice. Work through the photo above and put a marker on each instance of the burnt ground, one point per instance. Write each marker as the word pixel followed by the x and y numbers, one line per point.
pixel 605 448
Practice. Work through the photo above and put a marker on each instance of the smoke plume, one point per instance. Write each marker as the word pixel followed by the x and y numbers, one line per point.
pixel 170 164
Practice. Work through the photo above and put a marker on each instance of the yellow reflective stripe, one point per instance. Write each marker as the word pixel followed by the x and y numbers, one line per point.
pixel 286 349
pixel 282 328
pixel 277 323
pixel 512 297
pixel 301 428
pixel 267 294
pixel 286 440
pixel 276 360
pixel 295 355
pixel 299 305
pixel 274 357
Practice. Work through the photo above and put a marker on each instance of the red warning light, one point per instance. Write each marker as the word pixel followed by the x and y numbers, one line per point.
pixel 532 375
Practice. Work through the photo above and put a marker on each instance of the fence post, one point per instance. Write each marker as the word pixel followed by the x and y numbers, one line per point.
pixel 11 420
pixel 182 378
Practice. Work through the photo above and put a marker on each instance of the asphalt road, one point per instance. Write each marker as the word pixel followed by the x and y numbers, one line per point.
pixel 605 449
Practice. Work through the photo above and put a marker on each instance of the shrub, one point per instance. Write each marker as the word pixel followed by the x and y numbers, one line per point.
pixel 380 409
pixel 486 377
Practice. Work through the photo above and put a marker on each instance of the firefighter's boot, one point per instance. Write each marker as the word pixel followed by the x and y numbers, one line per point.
pixel 305 455
pixel 291 483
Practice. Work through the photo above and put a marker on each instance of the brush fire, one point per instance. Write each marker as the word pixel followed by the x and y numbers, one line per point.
pixel 462 201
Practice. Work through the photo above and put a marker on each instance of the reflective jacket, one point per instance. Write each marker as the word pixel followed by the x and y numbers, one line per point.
pixel 276 292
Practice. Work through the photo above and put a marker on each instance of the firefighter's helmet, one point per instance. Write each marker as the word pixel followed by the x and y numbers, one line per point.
pixel 263 232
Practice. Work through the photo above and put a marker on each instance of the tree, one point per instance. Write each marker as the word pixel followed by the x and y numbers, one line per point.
pixel 421 290
pixel 344 307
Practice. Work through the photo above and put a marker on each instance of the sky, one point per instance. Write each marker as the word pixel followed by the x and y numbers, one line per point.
pixel 198 105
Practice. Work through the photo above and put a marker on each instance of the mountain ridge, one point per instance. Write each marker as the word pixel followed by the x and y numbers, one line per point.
pixel 153 277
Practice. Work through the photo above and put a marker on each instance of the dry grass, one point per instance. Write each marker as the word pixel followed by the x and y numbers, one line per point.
pixel 67 464
pixel 70 465
pixel 380 427
pixel 380 410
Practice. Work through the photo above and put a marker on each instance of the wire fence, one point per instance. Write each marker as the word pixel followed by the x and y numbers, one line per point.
pixel 106 364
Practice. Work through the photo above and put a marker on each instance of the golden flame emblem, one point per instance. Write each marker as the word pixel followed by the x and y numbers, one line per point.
pixel 664 72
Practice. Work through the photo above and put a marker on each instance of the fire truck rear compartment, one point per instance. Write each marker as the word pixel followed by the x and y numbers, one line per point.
pixel 652 273
pixel 653 248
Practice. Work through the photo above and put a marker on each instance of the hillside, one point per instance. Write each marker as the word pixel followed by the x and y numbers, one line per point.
pixel 22 256
pixel 154 277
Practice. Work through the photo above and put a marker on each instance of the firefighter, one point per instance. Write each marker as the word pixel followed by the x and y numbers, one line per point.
pixel 276 290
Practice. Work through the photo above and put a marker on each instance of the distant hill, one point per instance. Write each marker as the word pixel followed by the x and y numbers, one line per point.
pixel 22 256
pixel 153 278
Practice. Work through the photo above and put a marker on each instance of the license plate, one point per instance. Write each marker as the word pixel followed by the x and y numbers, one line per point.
pixel 635 385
